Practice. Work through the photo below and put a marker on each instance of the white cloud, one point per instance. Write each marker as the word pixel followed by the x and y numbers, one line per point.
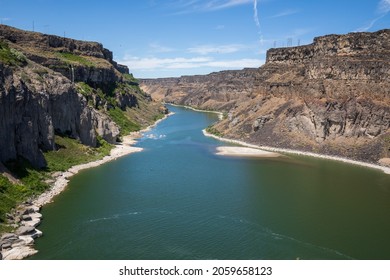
pixel 236 64
pixel 155 64
pixel 222 49
pixel 158 63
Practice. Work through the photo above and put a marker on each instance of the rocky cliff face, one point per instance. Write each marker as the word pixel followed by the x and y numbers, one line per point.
pixel 330 97
pixel 51 85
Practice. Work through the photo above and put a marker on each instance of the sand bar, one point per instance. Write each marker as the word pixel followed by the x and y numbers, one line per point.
pixel 245 152
pixel 288 151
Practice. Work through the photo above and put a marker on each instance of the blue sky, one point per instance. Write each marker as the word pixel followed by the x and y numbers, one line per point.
pixel 157 38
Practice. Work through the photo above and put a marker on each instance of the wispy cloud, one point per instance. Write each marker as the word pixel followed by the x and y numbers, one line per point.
pixel 257 22
pixel 223 4
pixel 2 20
pixel 256 16
pixel 157 48
pixel 383 8
pixel 221 49
pixel 185 7
pixel 285 13
pixel 154 63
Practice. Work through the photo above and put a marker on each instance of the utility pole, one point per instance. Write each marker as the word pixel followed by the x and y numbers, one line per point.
pixel 289 42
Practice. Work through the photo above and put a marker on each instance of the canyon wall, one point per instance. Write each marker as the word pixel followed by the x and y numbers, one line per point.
pixel 52 85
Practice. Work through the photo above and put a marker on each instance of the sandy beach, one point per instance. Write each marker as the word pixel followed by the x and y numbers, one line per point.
pixel 288 151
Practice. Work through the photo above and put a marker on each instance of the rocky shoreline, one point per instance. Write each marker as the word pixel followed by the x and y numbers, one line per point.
pixel 26 217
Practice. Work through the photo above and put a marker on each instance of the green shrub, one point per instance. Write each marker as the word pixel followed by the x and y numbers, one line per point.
pixel 212 130
pixel 84 89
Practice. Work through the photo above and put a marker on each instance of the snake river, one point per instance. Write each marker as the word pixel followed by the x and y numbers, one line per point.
pixel 177 199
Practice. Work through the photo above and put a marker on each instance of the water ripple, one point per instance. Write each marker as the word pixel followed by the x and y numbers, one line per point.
pixel 113 217
pixel 267 232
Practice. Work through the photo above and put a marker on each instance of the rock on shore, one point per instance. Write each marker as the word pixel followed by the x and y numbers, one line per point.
pixel 19 245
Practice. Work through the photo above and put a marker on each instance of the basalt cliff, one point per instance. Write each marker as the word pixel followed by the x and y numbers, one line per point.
pixel 50 85
pixel 330 97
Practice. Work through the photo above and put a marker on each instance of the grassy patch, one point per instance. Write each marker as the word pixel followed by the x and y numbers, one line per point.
pixel 121 119
pixel 158 116
pixel 71 152
pixel 84 89
pixel 130 78
pixel 12 194
pixel 8 197
pixel 31 178
pixel 10 56
pixel 71 58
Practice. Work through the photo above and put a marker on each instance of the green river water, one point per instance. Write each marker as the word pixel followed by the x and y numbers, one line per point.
pixel 178 200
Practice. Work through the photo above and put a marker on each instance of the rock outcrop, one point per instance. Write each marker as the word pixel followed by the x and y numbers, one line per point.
pixel 41 82
pixel 330 97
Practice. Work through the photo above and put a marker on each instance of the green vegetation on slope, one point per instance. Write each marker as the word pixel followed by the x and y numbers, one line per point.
pixel 125 124
pixel 32 184
pixel 130 78
pixel 71 152
pixel 9 195
pixel 71 58
pixel 10 56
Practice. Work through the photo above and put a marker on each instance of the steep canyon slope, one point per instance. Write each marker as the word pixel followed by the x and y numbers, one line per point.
pixel 50 85
pixel 330 97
